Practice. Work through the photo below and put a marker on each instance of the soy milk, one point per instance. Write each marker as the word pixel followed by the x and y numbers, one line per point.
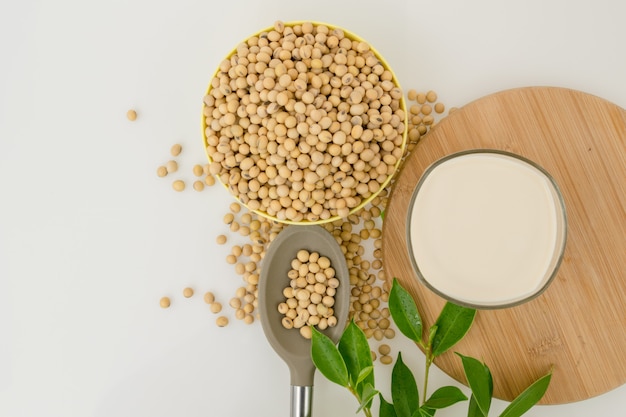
pixel 486 229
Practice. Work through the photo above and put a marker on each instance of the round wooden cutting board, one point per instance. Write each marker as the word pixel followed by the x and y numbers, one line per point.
pixel 577 326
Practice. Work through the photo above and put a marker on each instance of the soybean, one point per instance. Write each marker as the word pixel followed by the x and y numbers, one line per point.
pixel 176 149
pixel 178 185
pixel 161 171
pixel 164 302
pixel 197 170
pixel 209 298
pixel 171 166
pixel 386 359
pixel 198 185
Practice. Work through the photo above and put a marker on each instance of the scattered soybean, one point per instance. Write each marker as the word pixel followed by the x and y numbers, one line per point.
pixel 178 185
pixel 164 302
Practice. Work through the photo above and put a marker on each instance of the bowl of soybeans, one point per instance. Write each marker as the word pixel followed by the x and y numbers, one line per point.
pixel 304 123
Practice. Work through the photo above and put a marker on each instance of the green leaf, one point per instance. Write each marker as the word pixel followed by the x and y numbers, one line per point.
pixel 365 372
pixel 452 324
pixel 327 359
pixel 382 215
pixel 386 409
pixel 480 382
pixel 445 397
pixel 404 391
pixel 369 392
pixel 527 399
pixel 356 354
pixel 473 410
pixel 404 312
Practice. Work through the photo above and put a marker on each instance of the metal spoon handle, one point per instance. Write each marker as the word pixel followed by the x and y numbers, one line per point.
pixel 301 400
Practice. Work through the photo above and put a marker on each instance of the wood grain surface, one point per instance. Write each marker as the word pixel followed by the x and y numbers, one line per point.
pixel 578 326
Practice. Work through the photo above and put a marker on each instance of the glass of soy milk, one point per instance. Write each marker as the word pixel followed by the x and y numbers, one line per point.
pixel 486 228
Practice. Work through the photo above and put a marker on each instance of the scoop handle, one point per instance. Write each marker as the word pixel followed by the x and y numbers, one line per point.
pixel 301 400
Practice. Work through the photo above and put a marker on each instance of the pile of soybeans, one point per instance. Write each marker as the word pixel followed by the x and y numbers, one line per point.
pixel 304 123
pixel 359 235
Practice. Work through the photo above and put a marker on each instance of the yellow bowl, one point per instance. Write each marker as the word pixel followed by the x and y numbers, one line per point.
pixel 402 104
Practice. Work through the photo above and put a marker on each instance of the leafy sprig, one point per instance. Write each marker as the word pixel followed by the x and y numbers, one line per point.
pixel 350 365
pixel 450 327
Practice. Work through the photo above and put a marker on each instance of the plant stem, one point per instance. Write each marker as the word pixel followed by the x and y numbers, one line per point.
pixel 366 410
pixel 429 361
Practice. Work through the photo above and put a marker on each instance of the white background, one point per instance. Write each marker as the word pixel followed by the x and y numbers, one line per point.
pixel 91 238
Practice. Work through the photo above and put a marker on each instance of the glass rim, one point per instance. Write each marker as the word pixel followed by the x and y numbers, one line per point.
pixel 559 248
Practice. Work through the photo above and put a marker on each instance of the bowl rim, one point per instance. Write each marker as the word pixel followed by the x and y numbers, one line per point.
pixel 403 107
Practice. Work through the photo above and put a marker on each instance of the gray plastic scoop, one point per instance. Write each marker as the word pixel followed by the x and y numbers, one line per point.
pixel 294 349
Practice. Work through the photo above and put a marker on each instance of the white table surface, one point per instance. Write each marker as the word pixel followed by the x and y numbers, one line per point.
pixel 91 238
